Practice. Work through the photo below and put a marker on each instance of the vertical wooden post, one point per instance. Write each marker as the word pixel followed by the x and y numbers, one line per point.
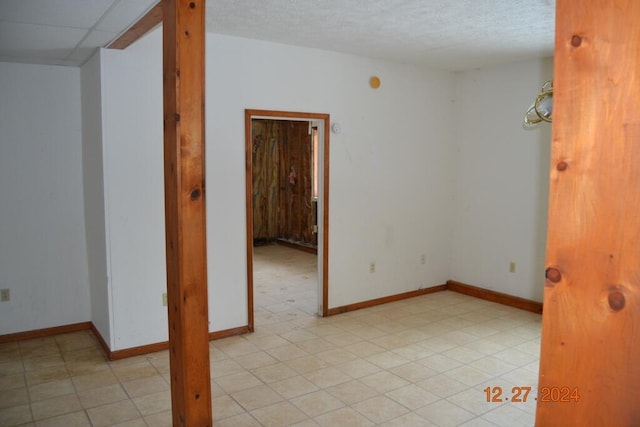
pixel 590 358
pixel 184 41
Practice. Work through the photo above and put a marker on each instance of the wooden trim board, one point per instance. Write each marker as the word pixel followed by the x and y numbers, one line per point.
pixel 152 348
pixel 101 341
pixel 384 300
pixel 45 332
pixel 486 294
pixel 149 21
pixel 451 285
pixel 303 248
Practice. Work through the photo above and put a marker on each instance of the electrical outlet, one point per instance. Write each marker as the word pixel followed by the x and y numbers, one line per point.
pixel 423 259
pixel 512 267
pixel 164 299
pixel 372 267
pixel 5 295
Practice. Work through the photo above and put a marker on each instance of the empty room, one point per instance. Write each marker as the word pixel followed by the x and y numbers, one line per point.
pixel 318 213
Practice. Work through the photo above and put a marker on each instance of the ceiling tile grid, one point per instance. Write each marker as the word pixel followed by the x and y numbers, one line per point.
pixel 63 32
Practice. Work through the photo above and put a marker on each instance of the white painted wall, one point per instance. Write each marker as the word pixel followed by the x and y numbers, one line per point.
pixel 412 173
pixel 134 190
pixel 503 179
pixel 390 168
pixel 395 140
pixel 43 257
pixel 94 197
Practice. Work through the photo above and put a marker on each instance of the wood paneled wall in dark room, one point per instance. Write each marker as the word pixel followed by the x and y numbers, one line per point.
pixel 282 182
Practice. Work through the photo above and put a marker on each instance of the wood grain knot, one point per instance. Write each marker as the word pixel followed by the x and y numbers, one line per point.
pixel 195 194
pixel 553 274
pixel 562 166
pixel 192 5
pixel 616 300
pixel 576 40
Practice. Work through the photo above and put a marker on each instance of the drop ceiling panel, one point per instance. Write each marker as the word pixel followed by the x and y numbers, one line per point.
pixel 64 13
pixel 88 45
pixel 123 14
pixel 29 41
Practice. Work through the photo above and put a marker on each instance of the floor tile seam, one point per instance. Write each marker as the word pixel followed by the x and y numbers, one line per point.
pixel 445 399
pixel 22 364
pixel 517 368
pixel 162 375
pixel 505 405
pixel 152 413
pixel 22 351
pixel 126 392
pixel 460 366
pixel 480 324
pixel 236 391
pixel 298 341
pixel 140 416
pixel 441 353
pixel 375 423
pixel 448 399
pixel 484 356
pixel 487 421
pixel 424 406
pixel 73 384
pixel 395 388
pixel 108 403
pixel 284 399
pixel 26 383
pixel 386 394
pixel 26 386
pixel 250 413
pixel 82 409
pixel 289 400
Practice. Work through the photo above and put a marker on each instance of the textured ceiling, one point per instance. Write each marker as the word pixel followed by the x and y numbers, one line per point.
pixel 445 34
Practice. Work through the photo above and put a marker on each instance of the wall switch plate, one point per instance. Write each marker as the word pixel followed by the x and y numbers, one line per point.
pixel 164 299
pixel 512 267
pixel 5 295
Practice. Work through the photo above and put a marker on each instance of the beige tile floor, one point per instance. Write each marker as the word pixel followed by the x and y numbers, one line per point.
pixel 424 361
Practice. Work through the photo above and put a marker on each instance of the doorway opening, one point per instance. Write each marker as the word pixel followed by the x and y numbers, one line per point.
pixel 287 192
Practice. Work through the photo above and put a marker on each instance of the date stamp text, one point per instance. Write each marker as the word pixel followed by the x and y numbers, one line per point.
pixel 520 394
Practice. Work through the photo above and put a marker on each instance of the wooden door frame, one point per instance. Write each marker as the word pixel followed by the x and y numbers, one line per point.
pixel 249 114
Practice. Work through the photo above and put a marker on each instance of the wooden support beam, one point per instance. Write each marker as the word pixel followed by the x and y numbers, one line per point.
pixel 184 63
pixel 145 24
pixel 590 356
